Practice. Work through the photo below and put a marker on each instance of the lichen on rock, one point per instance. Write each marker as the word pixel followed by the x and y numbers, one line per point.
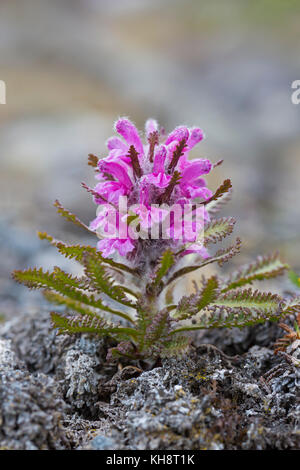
pixel 206 400
pixel 31 408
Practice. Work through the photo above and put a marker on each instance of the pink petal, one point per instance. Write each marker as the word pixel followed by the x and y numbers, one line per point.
pixel 119 156
pixel 159 160
pixel 143 214
pixel 124 246
pixel 197 248
pixel 96 222
pixel 158 214
pixel 110 191
pixel 160 181
pixel 179 133
pixel 204 193
pixel 116 143
pixel 144 194
pixel 106 247
pixel 109 245
pixel 151 126
pixel 117 171
pixel 130 133
pixel 196 135
pixel 194 170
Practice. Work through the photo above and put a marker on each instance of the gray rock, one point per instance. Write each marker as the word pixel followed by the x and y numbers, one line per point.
pixel 73 361
pixel 31 407
pixel 81 379
pixel 36 343
pixel 211 402
pixel 207 400
pixel 103 443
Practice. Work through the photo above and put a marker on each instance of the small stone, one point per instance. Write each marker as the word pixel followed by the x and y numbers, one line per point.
pixel 103 443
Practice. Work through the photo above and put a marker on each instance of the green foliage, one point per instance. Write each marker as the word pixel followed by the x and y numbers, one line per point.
pixel 137 306
pixel 295 278
pixel 69 289
pixel 189 306
pixel 77 252
pixel 238 309
pixel 101 280
pixel 176 346
pixel 225 188
pixel 158 329
pixel 69 216
pixel 292 306
pixel 218 229
pixel 264 267
pixel 221 257
pixel 87 324
pixel 164 265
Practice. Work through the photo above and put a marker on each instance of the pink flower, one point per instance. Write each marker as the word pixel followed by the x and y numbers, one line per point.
pixel 150 127
pixel 178 134
pixel 191 183
pixel 145 174
pixel 117 171
pixel 197 248
pixel 110 245
pixel 158 176
pixel 130 134
pixel 195 136
pixel 110 191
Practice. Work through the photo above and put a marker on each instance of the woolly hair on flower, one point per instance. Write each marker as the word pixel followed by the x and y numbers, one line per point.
pixel 153 208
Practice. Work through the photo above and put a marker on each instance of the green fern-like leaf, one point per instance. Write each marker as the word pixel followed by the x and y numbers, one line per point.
pixel 294 278
pixel 214 206
pixel 77 252
pixel 86 324
pixel 158 329
pixel 292 306
pixel 264 267
pixel 78 324
pixel 102 282
pixel 144 317
pixel 214 232
pixel 189 306
pixel 58 280
pixel 69 251
pixel 218 229
pixel 220 192
pixel 71 304
pixel 239 309
pixel 166 262
pixel 176 347
pixel 220 257
pixel 265 302
pixel 64 284
pixel 69 216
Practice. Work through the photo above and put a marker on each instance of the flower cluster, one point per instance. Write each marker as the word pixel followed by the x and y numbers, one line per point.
pixel 150 177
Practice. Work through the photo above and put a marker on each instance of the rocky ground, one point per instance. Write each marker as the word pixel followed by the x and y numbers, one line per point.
pixel 58 392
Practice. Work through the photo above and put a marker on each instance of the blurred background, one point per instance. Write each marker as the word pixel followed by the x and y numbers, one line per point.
pixel 71 67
